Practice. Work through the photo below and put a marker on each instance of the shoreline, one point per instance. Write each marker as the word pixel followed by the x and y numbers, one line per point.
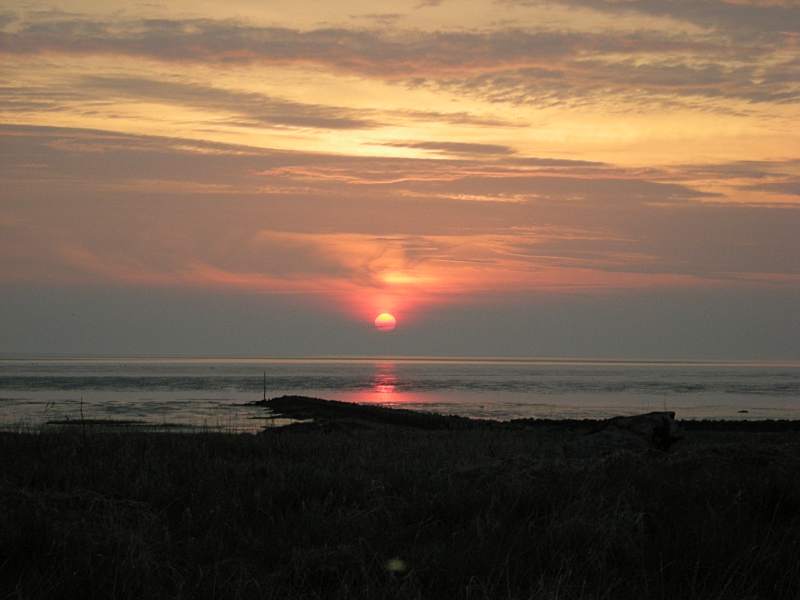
pixel 306 407
pixel 293 411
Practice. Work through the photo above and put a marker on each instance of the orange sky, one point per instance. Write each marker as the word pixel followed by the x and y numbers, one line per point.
pixel 403 156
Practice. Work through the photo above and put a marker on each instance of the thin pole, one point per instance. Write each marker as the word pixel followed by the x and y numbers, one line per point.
pixel 83 423
pixel 265 386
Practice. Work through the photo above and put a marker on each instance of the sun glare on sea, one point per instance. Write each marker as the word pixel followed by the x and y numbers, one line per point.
pixel 385 322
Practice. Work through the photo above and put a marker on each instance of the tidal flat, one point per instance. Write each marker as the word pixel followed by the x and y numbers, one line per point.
pixel 354 506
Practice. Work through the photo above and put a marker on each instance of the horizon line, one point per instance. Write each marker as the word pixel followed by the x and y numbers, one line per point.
pixel 55 356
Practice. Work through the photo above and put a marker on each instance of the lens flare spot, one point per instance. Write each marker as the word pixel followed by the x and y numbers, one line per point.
pixel 385 322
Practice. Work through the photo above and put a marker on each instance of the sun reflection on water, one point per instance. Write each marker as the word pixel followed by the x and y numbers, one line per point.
pixel 384 381
pixel 383 386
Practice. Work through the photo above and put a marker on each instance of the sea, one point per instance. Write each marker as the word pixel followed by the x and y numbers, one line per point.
pixel 213 392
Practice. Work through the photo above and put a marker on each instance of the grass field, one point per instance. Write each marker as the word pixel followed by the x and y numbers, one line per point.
pixel 396 512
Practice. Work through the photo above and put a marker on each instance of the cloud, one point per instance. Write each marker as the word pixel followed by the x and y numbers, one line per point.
pixel 738 169
pixel 698 84
pixel 248 109
pixel 535 161
pixel 402 54
pixel 171 212
pixel 789 187
pixel 245 108
pixel 384 19
pixel 83 94
pixel 36 98
pixel 456 118
pixel 455 148
pixel 535 66
pixel 7 18
pixel 739 17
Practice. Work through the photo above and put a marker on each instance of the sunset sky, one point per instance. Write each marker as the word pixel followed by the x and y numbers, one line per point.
pixel 506 177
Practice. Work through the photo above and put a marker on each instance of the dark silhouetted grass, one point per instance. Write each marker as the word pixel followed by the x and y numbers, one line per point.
pixel 468 513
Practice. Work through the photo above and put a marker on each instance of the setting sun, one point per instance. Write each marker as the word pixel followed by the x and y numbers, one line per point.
pixel 385 322
pixel 404 261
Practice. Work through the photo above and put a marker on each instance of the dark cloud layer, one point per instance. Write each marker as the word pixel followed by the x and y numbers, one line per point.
pixel 510 65
pixel 401 54
pixel 790 187
pixel 737 18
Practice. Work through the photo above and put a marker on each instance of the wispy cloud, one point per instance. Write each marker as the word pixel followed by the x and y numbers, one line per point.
pixel 455 148
pixel 760 18
pixel 279 221
pixel 245 108
pixel 789 187
pixel 502 65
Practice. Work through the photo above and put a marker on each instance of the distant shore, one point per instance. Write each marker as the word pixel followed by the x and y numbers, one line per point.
pixel 306 412
pixel 318 409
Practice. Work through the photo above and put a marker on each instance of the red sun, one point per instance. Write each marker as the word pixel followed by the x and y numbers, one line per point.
pixel 385 322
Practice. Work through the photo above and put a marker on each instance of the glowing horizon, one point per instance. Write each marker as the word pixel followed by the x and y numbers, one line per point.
pixel 441 154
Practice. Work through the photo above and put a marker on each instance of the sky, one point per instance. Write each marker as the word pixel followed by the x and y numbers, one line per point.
pixel 587 178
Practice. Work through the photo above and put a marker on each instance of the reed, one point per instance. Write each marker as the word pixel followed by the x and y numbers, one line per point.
pixel 394 513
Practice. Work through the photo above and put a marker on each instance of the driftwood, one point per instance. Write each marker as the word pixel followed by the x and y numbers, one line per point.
pixel 656 429
pixel 638 433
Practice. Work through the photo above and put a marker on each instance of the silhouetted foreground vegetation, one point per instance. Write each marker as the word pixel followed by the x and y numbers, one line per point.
pixel 389 511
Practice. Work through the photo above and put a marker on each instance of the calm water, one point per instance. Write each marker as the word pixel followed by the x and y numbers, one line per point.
pixel 210 392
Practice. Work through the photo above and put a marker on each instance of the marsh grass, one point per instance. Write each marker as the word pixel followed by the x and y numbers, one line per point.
pixel 392 513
